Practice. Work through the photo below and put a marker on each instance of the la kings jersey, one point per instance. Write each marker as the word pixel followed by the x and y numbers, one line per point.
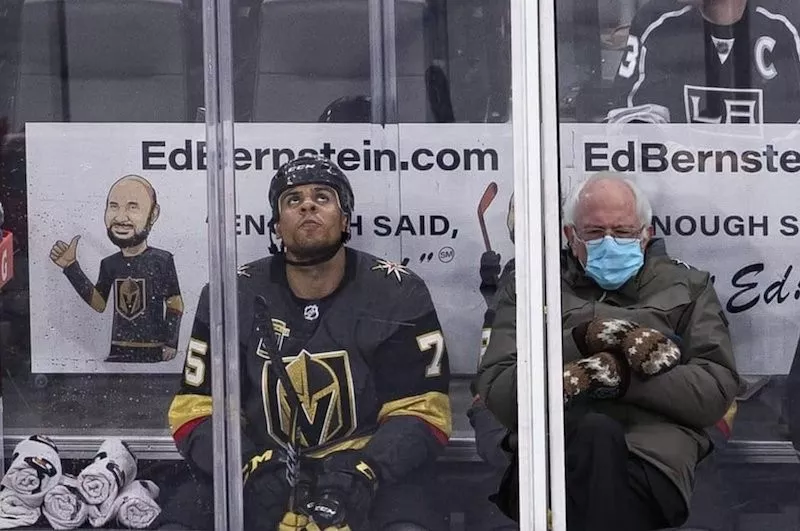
pixel 371 350
pixel 701 72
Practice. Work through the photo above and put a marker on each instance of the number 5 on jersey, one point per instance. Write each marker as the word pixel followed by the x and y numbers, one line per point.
pixel 435 341
pixel 194 371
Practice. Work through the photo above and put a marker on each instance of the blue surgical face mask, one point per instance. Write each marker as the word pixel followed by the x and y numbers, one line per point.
pixel 612 261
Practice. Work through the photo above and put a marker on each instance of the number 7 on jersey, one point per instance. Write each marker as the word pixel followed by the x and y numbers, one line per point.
pixel 432 340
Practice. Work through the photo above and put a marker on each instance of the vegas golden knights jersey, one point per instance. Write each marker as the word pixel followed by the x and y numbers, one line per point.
pixel 371 351
pixel 748 72
pixel 141 285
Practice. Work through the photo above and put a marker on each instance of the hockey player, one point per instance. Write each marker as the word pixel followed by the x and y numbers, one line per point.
pixel 147 300
pixel 710 62
pixel 363 354
pixel 490 434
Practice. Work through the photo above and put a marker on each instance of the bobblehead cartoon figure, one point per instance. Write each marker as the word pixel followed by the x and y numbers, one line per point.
pixel 147 300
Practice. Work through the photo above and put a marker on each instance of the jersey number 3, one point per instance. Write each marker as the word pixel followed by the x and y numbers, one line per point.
pixel 627 66
pixel 435 341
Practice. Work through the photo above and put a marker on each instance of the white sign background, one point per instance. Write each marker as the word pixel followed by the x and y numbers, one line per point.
pixel 753 254
pixel 72 166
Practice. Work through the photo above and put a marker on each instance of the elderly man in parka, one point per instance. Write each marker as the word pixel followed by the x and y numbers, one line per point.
pixel 648 365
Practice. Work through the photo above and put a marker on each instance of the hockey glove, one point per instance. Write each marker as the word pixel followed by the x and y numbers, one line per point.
pixel 263 463
pixel 649 352
pixel 603 375
pixel 294 522
pixel 301 522
pixel 601 335
pixel 490 272
pixel 266 491
pixel 345 487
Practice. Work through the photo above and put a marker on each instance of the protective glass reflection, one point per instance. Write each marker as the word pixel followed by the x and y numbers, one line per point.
pixel 684 100
pixel 98 248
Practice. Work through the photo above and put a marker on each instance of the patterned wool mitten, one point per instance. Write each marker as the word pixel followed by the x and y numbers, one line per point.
pixel 649 352
pixel 602 335
pixel 603 375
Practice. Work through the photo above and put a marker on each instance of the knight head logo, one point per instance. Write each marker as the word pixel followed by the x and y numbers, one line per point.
pixel 323 385
pixel 317 388
pixel 131 210
pixel 130 297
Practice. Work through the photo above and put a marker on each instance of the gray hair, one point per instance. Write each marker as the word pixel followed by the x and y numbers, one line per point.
pixel 643 209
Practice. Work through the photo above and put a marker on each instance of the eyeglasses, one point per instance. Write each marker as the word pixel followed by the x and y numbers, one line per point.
pixel 595 233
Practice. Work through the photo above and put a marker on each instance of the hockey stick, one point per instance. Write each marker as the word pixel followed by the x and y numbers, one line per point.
pixel 486 199
pixel 263 317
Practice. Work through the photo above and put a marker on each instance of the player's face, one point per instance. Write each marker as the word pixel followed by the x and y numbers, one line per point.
pixel 310 220
pixel 605 208
pixel 129 212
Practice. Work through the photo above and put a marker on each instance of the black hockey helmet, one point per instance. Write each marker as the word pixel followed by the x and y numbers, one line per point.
pixel 311 170
pixel 348 109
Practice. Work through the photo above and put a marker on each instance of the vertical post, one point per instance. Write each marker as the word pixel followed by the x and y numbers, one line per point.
pixel 551 199
pixel 59 52
pixel 531 363
pixel 375 14
pixel 221 191
pixel 6 275
pixel 389 39
pixel 229 264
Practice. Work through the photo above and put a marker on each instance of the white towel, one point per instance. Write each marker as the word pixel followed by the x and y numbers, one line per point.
pixel 99 515
pixel 15 512
pixel 134 507
pixel 35 469
pixel 64 506
pixel 649 113
pixel 113 468
pixel 138 508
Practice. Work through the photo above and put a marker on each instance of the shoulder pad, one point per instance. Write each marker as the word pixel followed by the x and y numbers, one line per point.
pixel 243 271
pixel 391 270
pixel 657 8
pixel 256 269
pixel 396 287
pixel 652 12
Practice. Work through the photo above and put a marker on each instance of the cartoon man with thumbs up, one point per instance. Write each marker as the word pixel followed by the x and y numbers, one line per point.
pixel 147 300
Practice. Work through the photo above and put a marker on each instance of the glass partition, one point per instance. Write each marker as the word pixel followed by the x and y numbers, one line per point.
pixel 103 188
pixel 428 239
pixel 693 103
pixel 117 301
